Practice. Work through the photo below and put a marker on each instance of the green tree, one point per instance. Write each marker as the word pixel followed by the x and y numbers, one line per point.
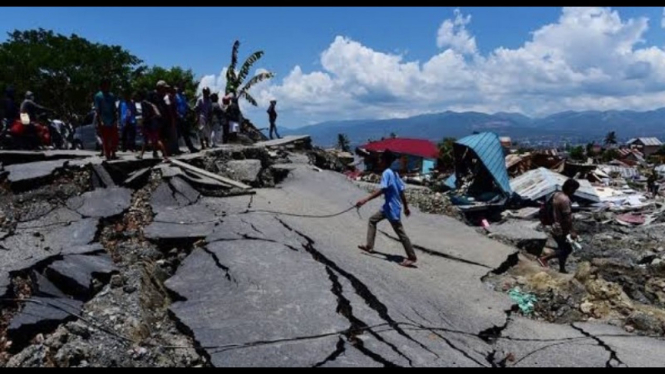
pixel 235 79
pixel 446 157
pixel 577 153
pixel 661 151
pixel 343 143
pixel 611 138
pixel 63 71
pixel 148 78
pixel 393 135
pixel 609 155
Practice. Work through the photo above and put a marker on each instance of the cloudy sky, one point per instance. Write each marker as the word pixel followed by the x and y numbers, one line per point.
pixel 357 63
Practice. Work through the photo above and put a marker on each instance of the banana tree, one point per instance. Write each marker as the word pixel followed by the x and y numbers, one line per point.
pixel 235 80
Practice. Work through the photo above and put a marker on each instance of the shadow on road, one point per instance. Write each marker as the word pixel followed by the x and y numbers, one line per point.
pixel 387 257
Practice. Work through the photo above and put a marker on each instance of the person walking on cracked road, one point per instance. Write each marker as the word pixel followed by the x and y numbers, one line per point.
pixel 563 224
pixel 392 188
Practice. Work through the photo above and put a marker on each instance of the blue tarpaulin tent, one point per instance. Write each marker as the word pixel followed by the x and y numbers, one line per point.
pixel 488 149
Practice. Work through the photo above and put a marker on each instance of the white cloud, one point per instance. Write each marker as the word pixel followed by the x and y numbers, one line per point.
pixel 589 58
pixel 453 34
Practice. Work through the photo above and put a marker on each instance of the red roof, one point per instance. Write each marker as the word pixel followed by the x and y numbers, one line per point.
pixel 412 147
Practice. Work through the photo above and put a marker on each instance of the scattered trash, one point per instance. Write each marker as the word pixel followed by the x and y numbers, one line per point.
pixel 525 301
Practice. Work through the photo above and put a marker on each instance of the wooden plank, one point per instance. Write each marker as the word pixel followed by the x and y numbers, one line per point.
pixel 289 139
pixel 208 174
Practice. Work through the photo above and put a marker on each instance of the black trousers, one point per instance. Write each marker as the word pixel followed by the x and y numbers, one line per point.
pixel 128 137
pixel 564 249
pixel 273 127
pixel 183 132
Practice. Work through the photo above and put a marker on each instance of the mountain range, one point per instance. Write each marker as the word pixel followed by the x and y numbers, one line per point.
pixel 569 126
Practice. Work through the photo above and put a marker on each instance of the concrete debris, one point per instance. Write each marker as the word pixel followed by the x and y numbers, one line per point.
pixel 180 268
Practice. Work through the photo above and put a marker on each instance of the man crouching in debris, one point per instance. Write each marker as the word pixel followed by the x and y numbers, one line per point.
pixel 392 188
pixel 562 215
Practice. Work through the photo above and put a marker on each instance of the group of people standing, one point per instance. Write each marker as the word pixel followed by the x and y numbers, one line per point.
pixel 164 112
pixel 217 123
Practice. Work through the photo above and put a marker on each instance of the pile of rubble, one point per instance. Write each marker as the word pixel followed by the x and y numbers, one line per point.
pixel 86 246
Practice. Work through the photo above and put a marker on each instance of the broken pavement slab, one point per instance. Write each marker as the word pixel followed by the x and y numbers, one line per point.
pixel 632 350
pixel 522 234
pixel 101 177
pixel 76 272
pixel 286 140
pixel 541 344
pixel 101 202
pixel 41 314
pixel 246 171
pixel 33 171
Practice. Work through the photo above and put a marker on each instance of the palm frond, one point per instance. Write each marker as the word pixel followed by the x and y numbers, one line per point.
pixel 257 79
pixel 231 77
pixel 247 65
pixel 234 56
pixel 248 97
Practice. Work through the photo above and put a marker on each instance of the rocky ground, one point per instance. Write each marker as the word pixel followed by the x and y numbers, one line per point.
pixel 617 277
pixel 134 264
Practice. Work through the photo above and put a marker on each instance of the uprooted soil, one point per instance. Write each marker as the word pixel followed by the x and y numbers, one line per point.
pixel 617 277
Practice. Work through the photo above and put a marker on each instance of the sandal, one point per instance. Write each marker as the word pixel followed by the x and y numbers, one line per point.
pixel 407 263
pixel 364 248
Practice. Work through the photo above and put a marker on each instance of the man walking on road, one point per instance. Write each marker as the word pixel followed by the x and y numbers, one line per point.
pixel 392 188
pixel 563 224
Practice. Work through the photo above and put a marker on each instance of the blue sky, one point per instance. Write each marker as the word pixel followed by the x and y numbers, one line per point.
pixel 346 63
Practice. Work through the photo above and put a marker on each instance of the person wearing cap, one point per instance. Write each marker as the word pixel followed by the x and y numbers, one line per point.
pixel 272 117
pixel 30 107
pixel 107 119
pixel 203 111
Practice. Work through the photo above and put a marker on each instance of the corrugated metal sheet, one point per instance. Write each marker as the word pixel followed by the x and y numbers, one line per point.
pixel 538 183
pixel 646 141
pixel 625 172
pixel 660 170
pixel 488 148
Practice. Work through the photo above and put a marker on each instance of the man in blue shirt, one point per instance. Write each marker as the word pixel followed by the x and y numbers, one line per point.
pixel 392 188
pixel 127 110
pixel 182 109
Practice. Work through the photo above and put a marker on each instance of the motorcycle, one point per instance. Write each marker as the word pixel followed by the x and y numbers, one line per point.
pixel 18 136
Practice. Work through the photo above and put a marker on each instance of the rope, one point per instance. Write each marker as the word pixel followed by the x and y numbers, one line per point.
pixel 304 215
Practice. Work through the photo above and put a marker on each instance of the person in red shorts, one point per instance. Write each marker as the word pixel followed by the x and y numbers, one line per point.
pixel 107 119
pixel 152 125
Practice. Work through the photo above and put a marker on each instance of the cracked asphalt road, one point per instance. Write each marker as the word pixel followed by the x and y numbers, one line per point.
pixel 266 289
pixel 292 291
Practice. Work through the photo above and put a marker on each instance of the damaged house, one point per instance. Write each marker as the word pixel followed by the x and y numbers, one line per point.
pixel 646 146
pixel 481 179
pixel 415 155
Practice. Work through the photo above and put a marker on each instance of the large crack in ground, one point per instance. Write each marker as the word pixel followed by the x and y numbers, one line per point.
pixel 227 271
pixel 360 288
pixel 613 354
pixel 358 326
pixel 437 253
